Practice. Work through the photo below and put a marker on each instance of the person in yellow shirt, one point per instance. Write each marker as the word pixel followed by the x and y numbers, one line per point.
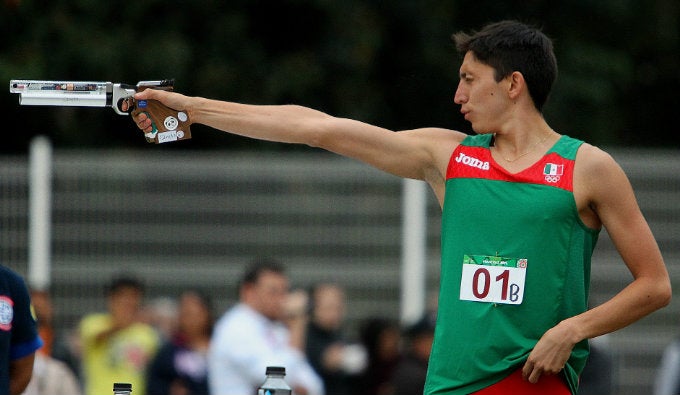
pixel 116 345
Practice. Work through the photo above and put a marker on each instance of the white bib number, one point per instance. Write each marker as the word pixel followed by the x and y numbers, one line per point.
pixel 493 279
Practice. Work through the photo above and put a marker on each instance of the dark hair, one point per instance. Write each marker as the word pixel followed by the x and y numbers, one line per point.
pixel 259 266
pixel 423 327
pixel 510 46
pixel 372 330
pixel 122 282
pixel 207 303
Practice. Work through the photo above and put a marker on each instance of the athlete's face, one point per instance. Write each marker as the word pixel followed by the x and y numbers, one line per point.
pixel 482 100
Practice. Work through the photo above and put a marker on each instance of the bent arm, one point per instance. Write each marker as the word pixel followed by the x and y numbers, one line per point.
pixel 613 200
pixel 610 199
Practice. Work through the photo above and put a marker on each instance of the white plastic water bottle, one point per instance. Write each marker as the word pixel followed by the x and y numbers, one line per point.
pixel 274 383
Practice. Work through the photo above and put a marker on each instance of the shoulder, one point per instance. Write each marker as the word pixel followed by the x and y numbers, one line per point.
pixel 239 318
pixel 595 169
pixel 436 146
pixel 8 273
pixel 592 158
pixel 11 280
pixel 602 186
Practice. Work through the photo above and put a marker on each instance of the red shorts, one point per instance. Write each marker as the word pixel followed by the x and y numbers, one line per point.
pixel 515 384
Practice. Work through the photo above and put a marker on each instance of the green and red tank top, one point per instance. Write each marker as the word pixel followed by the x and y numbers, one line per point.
pixel 515 262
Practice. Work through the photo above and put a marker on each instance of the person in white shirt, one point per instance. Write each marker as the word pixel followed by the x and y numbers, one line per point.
pixel 252 335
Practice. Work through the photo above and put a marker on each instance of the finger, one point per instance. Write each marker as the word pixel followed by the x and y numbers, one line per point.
pixel 125 104
pixel 146 94
pixel 146 124
pixel 530 372
pixel 534 376
pixel 151 94
pixel 141 118
pixel 527 369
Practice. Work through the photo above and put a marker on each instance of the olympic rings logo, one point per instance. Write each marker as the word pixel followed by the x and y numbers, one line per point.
pixel 552 179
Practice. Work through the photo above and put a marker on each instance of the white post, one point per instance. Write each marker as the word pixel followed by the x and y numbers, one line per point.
pixel 414 232
pixel 39 224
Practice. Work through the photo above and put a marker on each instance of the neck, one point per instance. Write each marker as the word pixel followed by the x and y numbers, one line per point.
pixel 514 147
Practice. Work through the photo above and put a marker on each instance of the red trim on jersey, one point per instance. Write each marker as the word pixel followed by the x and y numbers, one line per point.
pixel 515 384
pixel 477 162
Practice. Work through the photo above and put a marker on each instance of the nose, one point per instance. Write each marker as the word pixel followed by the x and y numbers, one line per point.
pixel 461 96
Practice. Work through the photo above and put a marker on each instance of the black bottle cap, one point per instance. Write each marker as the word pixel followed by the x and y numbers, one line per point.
pixel 122 387
pixel 276 370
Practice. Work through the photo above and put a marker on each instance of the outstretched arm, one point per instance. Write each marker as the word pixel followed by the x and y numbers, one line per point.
pixel 419 154
pixel 606 194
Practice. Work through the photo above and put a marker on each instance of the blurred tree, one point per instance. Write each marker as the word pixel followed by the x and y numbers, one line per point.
pixel 390 63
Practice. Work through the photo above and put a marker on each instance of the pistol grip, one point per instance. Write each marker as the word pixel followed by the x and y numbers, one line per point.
pixel 168 124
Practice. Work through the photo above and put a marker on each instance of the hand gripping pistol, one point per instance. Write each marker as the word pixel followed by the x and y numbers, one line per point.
pixel 167 123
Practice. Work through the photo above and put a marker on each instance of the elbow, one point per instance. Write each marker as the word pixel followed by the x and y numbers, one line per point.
pixel 662 294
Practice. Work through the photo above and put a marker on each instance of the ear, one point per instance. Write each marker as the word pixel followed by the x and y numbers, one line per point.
pixel 517 85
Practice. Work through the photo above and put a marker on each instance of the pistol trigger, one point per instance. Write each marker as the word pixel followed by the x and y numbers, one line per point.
pixel 129 104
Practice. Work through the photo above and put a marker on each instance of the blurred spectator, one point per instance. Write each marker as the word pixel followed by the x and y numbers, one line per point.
pixel 382 339
pixel 408 377
pixel 50 375
pixel 116 345
pixel 338 362
pixel 181 365
pixel 19 338
pixel 161 313
pixel 44 314
pixel 252 335
pixel 54 345
pixel 667 380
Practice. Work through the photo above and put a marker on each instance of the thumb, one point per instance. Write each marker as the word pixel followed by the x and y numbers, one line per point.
pixel 147 94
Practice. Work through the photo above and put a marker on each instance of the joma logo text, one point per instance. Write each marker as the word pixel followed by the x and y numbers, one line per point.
pixel 470 161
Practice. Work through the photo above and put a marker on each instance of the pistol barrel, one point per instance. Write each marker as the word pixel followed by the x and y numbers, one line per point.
pixel 60 93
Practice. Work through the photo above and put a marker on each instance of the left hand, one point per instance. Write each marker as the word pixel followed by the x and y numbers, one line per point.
pixel 550 353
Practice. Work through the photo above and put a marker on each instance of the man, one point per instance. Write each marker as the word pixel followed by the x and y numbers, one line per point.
pixel 19 338
pixel 252 335
pixel 338 362
pixel 51 376
pixel 522 208
pixel 117 346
